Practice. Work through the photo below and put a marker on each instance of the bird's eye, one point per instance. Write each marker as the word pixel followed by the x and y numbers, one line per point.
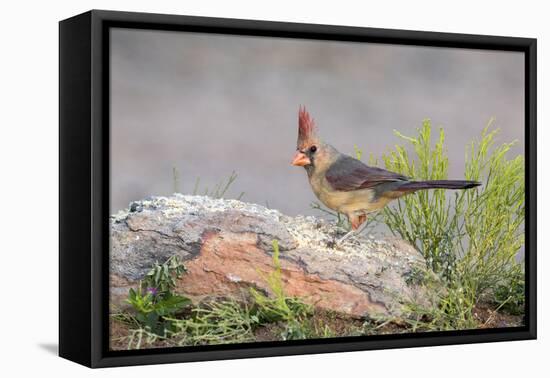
pixel 313 148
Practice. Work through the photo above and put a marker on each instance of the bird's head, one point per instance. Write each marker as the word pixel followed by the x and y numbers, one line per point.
pixel 310 150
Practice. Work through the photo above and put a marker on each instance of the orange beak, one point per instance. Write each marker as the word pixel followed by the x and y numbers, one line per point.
pixel 300 159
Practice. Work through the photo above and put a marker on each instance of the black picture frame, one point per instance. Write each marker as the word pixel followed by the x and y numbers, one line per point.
pixel 84 186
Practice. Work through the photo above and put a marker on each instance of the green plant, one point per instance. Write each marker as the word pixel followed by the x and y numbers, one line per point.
pixel 494 218
pixel 426 218
pixel 291 311
pixel 163 277
pixel 153 299
pixel 470 238
pixel 215 323
pixel 141 337
pixel 220 189
pixel 451 309
pixel 510 296
pixel 358 152
pixel 176 179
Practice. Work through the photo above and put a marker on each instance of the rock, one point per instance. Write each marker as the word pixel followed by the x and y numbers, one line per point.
pixel 226 246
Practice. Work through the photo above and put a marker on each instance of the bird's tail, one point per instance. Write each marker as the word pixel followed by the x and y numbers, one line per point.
pixel 439 184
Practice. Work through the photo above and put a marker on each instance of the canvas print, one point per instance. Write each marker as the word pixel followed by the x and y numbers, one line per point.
pixel 279 189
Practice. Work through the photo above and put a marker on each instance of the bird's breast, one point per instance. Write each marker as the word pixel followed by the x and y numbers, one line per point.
pixel 356 201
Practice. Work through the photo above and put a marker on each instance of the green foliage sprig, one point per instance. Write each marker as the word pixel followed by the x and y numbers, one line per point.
pixel 226 321
pixel 426 219
pixel 219 190
pixel 153 300
pixel 163 277
pixel 291 311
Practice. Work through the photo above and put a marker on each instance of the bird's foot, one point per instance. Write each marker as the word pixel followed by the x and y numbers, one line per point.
pixel 345 237
pixel 353 233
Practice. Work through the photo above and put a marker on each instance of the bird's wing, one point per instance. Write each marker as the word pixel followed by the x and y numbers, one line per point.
pixel 347 174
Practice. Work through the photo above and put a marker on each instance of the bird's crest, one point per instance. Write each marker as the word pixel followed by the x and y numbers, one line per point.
pixel 307 132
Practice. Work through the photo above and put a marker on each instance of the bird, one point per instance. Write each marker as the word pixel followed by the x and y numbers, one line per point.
pixel 347 185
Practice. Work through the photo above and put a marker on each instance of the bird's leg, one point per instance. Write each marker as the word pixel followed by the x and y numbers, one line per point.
pixel 361 228
pixel 358 224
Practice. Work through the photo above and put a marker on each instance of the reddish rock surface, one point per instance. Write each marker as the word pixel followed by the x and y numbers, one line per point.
pixel 229 262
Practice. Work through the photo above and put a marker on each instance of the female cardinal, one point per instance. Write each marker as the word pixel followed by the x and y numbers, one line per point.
pixel 348 186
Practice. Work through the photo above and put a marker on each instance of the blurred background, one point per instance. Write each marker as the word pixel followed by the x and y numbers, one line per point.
pixel 209 105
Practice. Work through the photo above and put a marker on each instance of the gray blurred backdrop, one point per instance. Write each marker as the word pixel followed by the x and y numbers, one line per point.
pixel 212 104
